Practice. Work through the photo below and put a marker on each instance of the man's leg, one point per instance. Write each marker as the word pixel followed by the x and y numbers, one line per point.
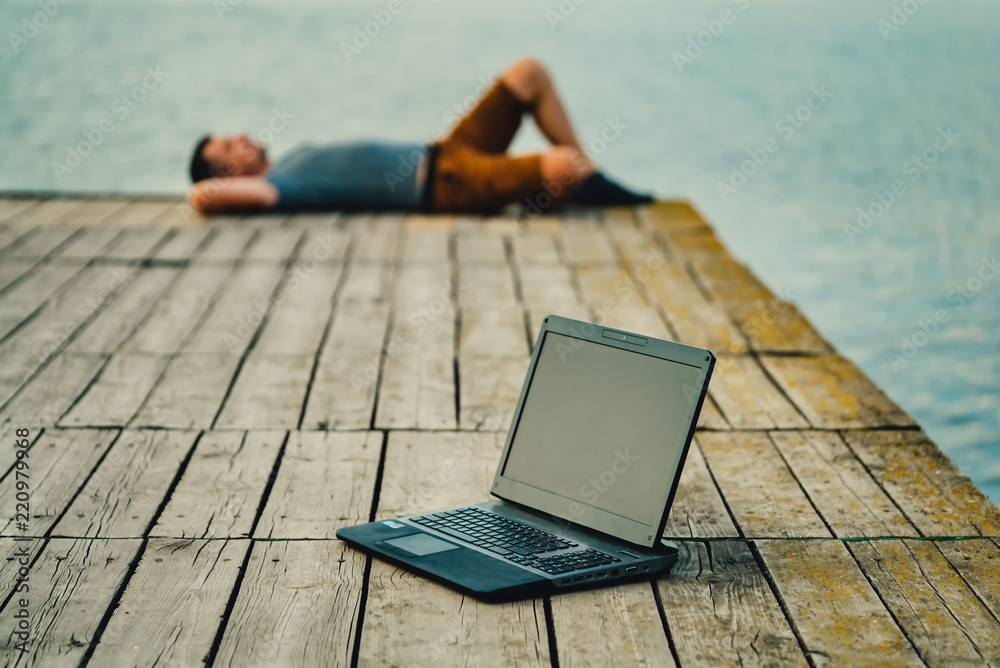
pixel 530 83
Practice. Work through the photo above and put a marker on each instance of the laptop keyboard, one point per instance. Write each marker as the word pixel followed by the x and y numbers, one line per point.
pixel 513 540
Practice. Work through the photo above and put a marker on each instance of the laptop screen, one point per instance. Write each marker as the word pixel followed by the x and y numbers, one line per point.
pixel 601 434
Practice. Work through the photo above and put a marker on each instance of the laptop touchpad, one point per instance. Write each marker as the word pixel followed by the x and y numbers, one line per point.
pixel 418 545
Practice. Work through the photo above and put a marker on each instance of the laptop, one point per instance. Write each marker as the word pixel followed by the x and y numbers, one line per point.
pixel 588 472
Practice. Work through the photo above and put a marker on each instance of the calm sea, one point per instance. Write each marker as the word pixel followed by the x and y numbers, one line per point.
pixel 871 196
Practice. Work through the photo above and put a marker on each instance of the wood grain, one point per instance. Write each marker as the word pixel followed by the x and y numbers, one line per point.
pixel 851 502
pixel 833 393
pixel 171 608
pixel 720 610
pixel 409 616
pixel 837 614
pixel 325 481
pixel 940 614
pixel 934 495
pixel 79 579
pixel 759 489
pixel 139 469
pixel 222 486
pixel 61 460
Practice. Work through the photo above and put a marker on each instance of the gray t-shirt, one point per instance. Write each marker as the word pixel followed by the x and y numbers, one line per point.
pixel 349 175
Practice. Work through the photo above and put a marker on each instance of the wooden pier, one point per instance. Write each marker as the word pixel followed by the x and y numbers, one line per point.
pixel 209 401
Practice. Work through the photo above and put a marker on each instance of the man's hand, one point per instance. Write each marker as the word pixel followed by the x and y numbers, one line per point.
pixel 234 192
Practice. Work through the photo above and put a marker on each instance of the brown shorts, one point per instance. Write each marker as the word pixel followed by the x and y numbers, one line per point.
pixel 472 171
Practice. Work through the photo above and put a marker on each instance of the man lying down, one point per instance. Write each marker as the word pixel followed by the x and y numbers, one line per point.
pixel 468 171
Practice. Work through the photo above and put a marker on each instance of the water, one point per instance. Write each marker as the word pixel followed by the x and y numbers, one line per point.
pixel 688 125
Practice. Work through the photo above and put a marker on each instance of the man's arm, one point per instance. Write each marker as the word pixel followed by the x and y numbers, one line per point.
pixel 235 192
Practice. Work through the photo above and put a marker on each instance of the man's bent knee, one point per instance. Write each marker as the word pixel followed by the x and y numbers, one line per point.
pixel 526 78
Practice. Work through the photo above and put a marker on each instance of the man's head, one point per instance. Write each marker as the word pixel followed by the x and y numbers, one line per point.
pixel 227 155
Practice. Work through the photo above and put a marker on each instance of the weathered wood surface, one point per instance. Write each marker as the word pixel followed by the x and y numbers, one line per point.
pixel 209 401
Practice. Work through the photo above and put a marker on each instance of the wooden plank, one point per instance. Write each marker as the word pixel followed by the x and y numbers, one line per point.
pixel 485 286
pixel 720 610
pixel 95 212
pixel 10 207
pixel 229 242
pixel 302 310
pixel 548 288
pixel 13 235
pixel 181 243
pixel 47 240
pixel 418 382
pixel 489 389
pixel 697 321
pixel 837 613
pixel 13 269
pixel 761 492
pixel 61 459
pixel 450 627
pixel 222 486
pixel 91 243
pixel 851 502
pixel 190 393
pixel 323 244
pixel 533 246
pixel 176 315
pixel 298 605
pixel 585 241
pixel 612 626
pixel 670 216
pixel 116 322
pixel 342 395
pixel 833 393
pixel 268 393
pixel 170 610
pixel 477 248
pixel 698 510
pixel 59 318
pixel 237 314
pixel 81 578
pixel 748 398
pixel 138 243
pixel 118 392
pixel 418 378
pixel 711 417
pixel 940 615
pixel 496 331
pixel 49 212
pixel 776 326
pixel 367 283
pixel 275 243
pixel 377 237
pixel 425 245
pixel 934 495
pixel 180 213
pixel 24 299
pixel 50 394
pixel 141 212
pixel 726 279
pixel 326 481
pixel 978 562
pixel 634 244
pixel 139 470
pixel 617 301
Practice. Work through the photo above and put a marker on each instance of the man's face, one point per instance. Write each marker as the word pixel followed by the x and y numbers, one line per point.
pixel 237 155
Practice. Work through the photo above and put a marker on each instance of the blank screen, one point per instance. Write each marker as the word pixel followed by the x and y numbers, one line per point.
pixel 603 427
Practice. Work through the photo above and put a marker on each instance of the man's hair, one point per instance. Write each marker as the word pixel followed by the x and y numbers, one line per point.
pixel 200 169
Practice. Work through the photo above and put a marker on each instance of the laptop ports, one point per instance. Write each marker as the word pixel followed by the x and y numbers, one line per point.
pixel 601 575
pixel 631 569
